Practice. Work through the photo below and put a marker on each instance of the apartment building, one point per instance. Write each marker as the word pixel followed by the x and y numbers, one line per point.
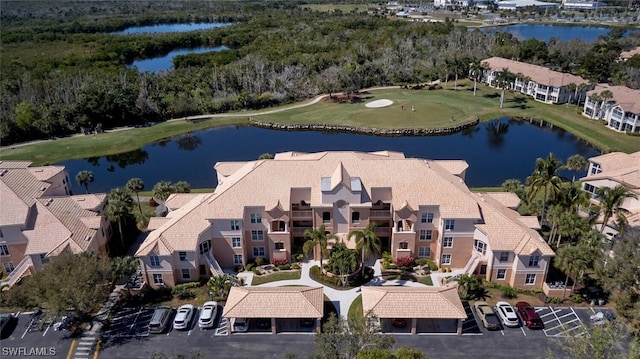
pixel 621 111
pixel 611 170
pixel 40 219
pixel 422 209
pixel 539 82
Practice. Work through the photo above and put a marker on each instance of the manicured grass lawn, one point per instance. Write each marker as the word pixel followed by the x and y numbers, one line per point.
pixel 426 280
pixel 355 310
pixel 433 109
pixel 273 277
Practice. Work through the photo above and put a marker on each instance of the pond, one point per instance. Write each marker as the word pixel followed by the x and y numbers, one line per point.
pixel 164 28
pixel 496 151
pixel 165 62
pixel 546 32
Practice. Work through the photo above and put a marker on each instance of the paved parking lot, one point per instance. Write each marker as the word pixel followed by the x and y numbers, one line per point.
pixel 36 335
pixel 561 322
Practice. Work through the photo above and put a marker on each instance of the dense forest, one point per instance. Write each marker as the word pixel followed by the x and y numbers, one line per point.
pixel 62 70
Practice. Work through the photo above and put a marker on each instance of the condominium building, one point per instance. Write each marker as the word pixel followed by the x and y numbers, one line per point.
pixel 422 209
pixel 621 111
pixel 40 219
pixel 539 82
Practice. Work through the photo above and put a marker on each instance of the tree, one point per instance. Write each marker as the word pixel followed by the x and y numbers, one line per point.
pixel 124 266
pixel 596 99
pixel 611 202
pixel 367 242
pixel 317 239
pixel 162 190
pixel 220 285
pixel 476 71
pixel 345 339
pixel 503 79
pixel 26 115
pixel 266 155
pixel 119 207
pixel 545 176
pixel 181 187
pixel 515 186
pixel 135 185
pixel 83 178
pixel 577 163
pixel 601 342
pixel 573 260
pixel 619 276
pixel 342 262
pixel 78 281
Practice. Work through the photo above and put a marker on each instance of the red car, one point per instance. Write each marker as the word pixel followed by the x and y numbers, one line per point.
pixel 529 316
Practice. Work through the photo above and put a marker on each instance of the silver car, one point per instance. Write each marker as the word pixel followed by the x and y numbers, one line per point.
pixel 183 317
pixel 208 315
pixel 507 314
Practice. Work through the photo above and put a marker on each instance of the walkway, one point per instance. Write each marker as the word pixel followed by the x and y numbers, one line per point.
pixel 342 299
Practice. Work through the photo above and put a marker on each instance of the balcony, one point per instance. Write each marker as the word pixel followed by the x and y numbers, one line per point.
pixel 385 214
pixel 302 214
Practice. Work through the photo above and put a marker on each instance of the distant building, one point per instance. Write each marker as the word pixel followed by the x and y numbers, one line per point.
pixel 40 219
pixel 513 5
pixel 622 111
pixel 539 82
pixel 422 208
pixel 581 4
pixel 626 55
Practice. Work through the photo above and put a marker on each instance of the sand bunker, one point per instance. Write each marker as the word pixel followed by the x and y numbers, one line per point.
pixel 379 103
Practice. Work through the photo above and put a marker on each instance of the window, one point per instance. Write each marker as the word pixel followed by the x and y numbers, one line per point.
pixel 530 279
pixel 235 225
pixel 595 169
pixel 154 261
pixel 186 274
pixel 589 188
pixel 237 259
pixel 447 242
pixel 404 245
pixel 326 217
pixel 8 267
pixel 205 246
pixel 157 278
pixel 424 251
pixel 425 234
pixel 183 256
pixel 427 218
pixel 43 258
pixel 235 242
pixel 4 250
pixel 449 224
pixel 258 251
pixel 446 259
pixel 257 235
pixel 502 274
pixel 256 218
pixel 533 261
pixel 279 245
pixel 355 217
pixel 504 256
pixel 480 246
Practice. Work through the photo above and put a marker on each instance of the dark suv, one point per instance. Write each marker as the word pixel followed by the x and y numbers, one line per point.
pixel 529 316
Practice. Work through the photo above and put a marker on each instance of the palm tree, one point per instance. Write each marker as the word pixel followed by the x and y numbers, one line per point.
pixel 576 163
pixel 135 185
pixel 605 96
pixel 595 98
pixel 545 176
pixel 476 70
pixel 181 187
pixel 572 87
pixel 503 79
pixel 367 241
pixel 317 238
pixel 611 201
pixel 573 260
pixel 571 197
pixel 162 190
pixel 118 207
pixel 582 88
pixel 84 178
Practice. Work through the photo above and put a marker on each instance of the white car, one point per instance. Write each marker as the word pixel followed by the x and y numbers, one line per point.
pixel 208 315
pixel 240 325
pixel 507 314
pixel 183 317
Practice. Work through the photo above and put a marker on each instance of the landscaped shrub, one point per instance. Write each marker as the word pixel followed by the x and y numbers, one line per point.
pixel 183 291
pixel 279 262
pixel 286 266
pixel 250 265
pixel 239 268
pixel 432 265
pixel 554 300
pixel 405 262
pixel 509 292
pixel 421 262
pixel 260 261
pixel 256 271
pixel 295 266
pixel 576 298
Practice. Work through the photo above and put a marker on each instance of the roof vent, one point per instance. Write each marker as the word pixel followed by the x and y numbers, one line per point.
pixel 87 238
pixel 3 172
pixel 48 202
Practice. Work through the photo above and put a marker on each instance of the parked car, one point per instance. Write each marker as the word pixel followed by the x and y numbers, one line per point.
pixel 160 320
pixel 240 325
pixel 399 323
pixel 183 317
pixel 208 315
pixel 263 323
pixel 507 314
pixel 487 316
pixel 7 324
pixel 529 316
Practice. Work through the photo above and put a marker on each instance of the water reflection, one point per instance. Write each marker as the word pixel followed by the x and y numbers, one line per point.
pixel 189 142
pixel 496 131
pixel 122 160
pixel 165 28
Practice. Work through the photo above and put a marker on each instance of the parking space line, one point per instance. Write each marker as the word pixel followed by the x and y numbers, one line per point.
pixel 25 331
pixel 567 315
pixel 523 332
pixel 46 330
pixel 552 328
pixel 134 321
pixel 568 330
pixel 71 347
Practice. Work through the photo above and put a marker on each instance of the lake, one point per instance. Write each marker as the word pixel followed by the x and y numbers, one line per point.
pixel 164 28
pixel 495 151
pixel 546 32
pixel 163 63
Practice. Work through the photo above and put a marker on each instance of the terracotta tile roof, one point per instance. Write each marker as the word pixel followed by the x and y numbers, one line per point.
pixel 45 173
pixel 506 230
pixel 15 164
pixel 539 74
pixel 177 200
pixel 627 98
pixel 13 209
pixel 456 167
pixel 507 199
pixel 623 168
pixel 156 222
pixel 274 302
pixel 629 54
pixel 228 168
pixel 44 231
pixel 26 186
pixel 530 221
pixel 413 302
pixel 92 201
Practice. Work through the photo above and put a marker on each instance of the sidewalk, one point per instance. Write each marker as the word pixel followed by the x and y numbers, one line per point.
pixel 341 299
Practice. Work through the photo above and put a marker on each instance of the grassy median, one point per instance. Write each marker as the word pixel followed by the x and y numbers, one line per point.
pixel 433 109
